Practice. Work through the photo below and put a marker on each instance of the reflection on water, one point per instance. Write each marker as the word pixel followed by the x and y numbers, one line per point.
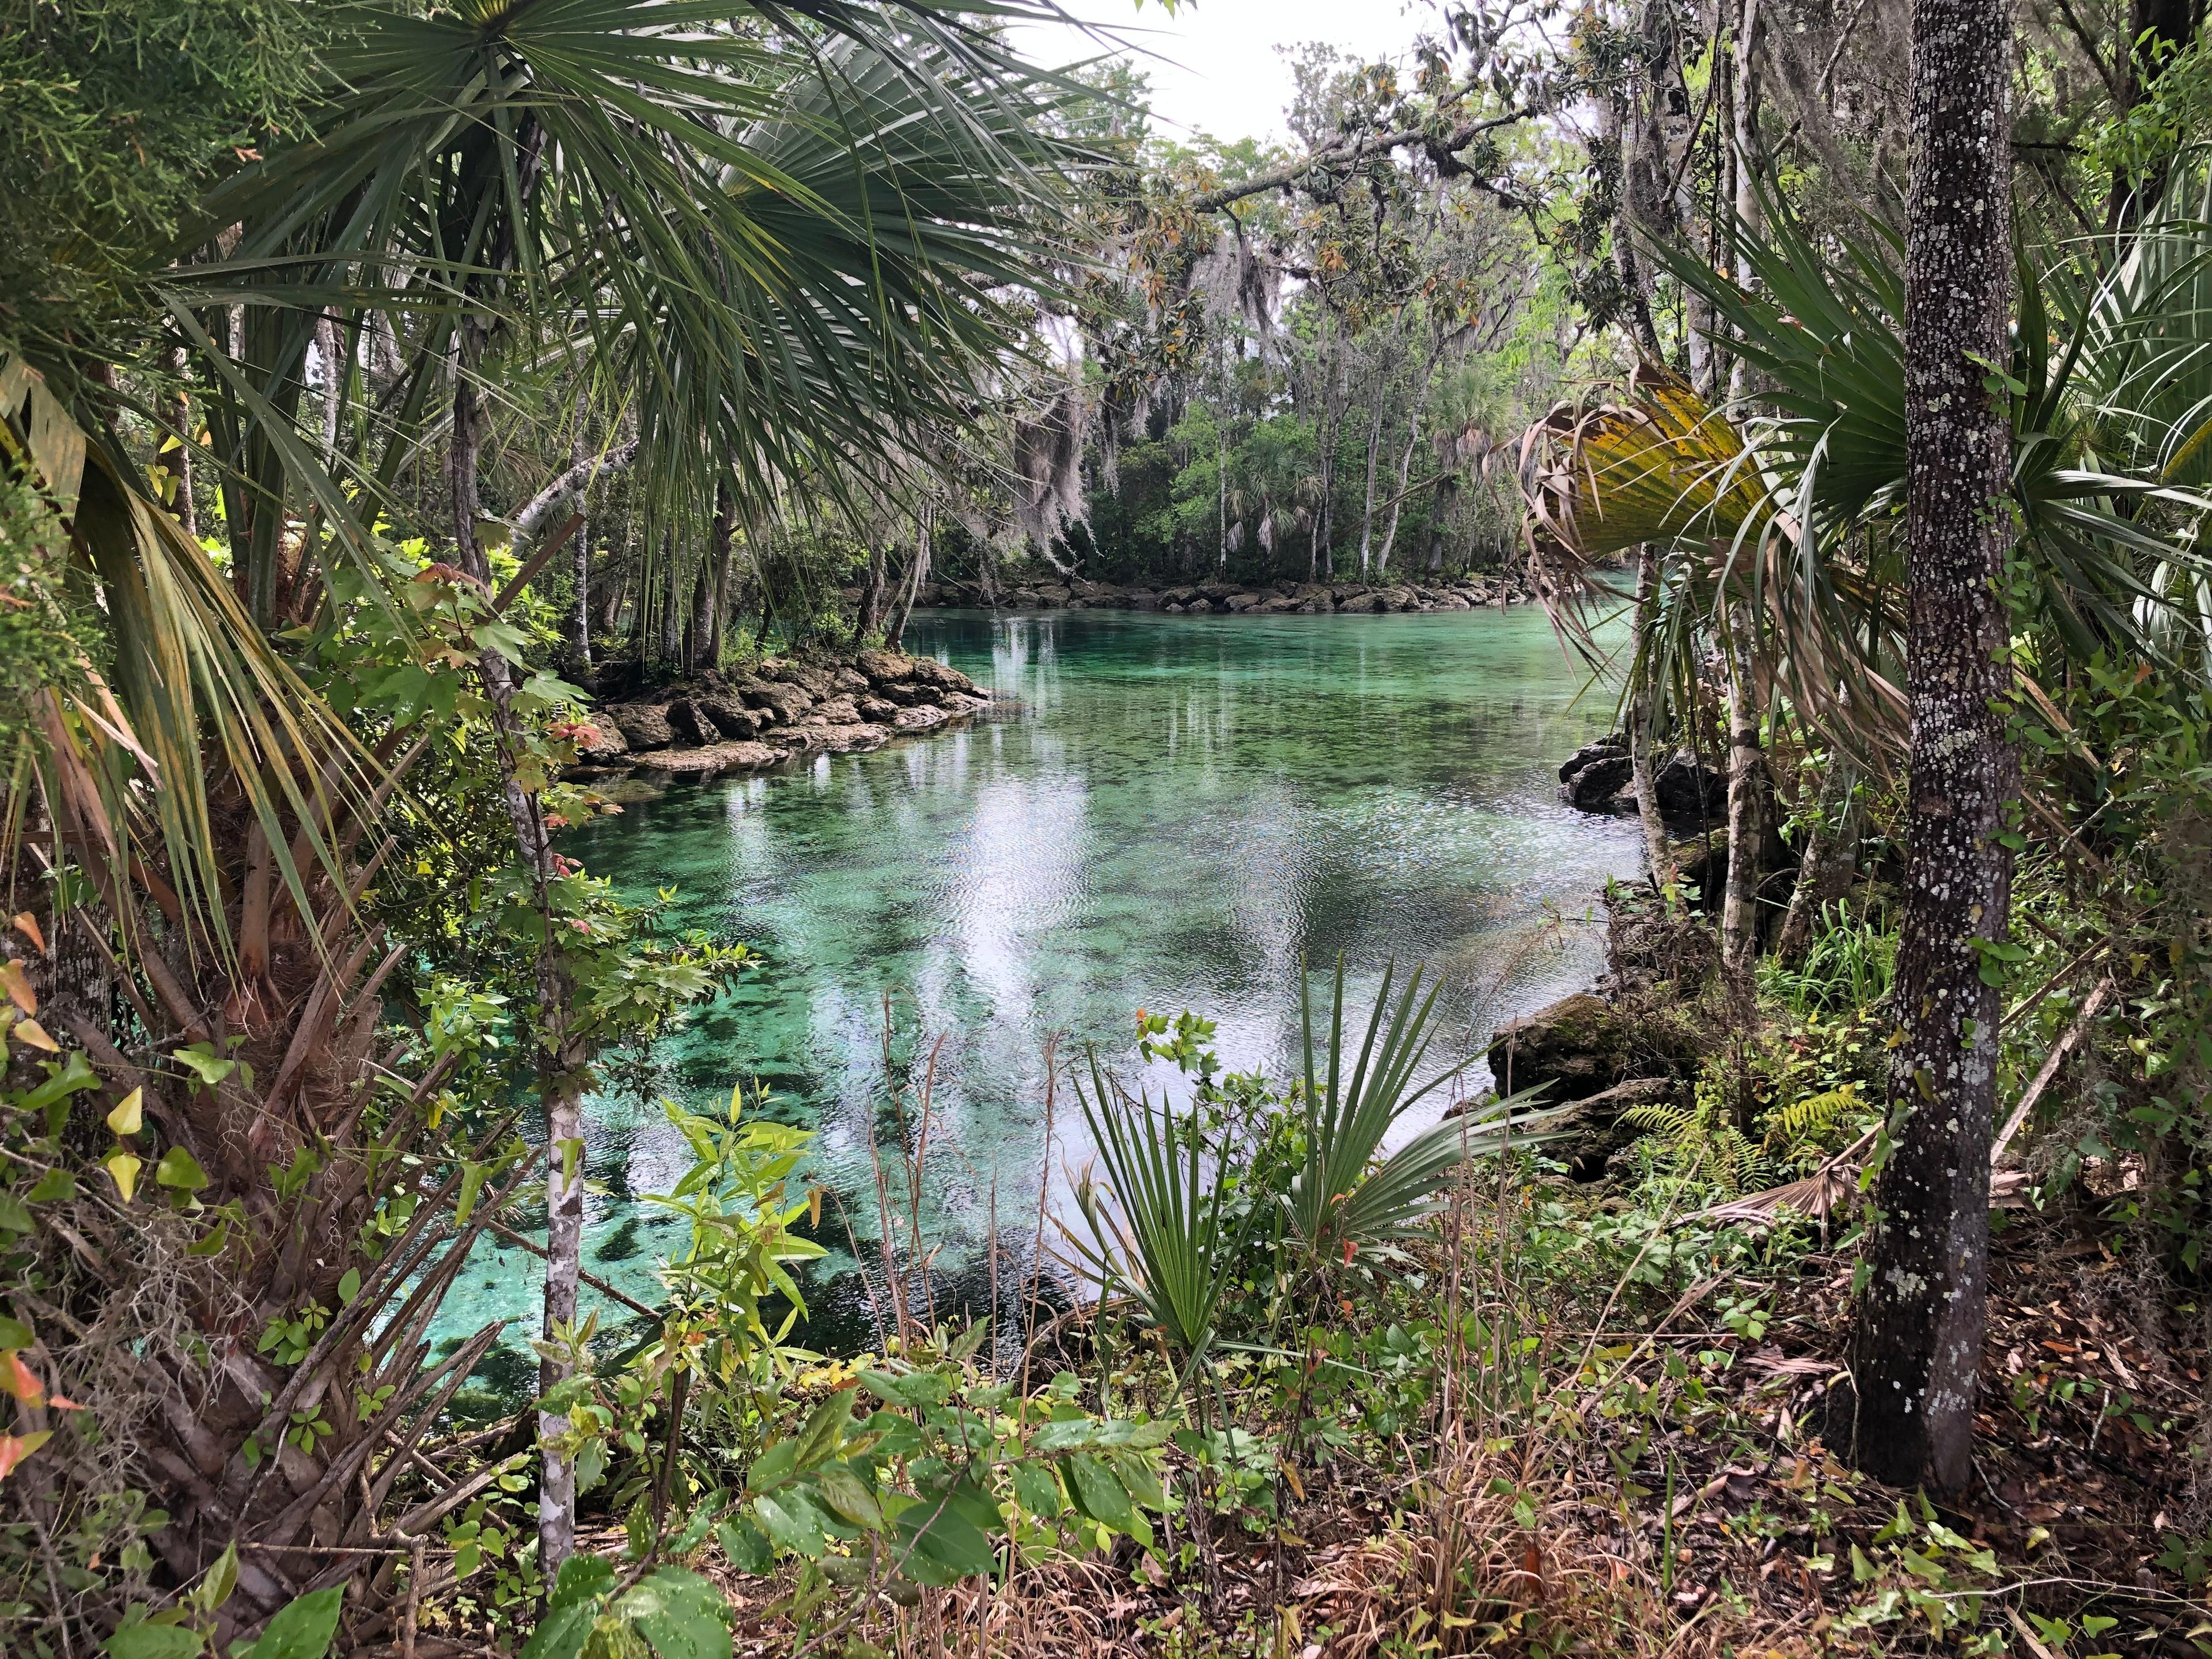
pixel 1164 812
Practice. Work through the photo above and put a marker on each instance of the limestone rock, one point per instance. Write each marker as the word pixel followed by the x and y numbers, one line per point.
pixel 1593 786
pixel 923 717
pixel 838 711
pixel 878 709
pixel 643 726
pixel 885 667
pixel 1688 789
pixel 850 681
pixel 1604 748
pixel 605 742
pixel 716 757
pixel 788 701
pixel 1578 1045
pixel 731 716
pixel 816 682
pixel 692 724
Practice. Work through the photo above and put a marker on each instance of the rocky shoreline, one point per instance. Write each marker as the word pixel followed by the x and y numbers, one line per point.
pixel 1278 598
pixel 780 709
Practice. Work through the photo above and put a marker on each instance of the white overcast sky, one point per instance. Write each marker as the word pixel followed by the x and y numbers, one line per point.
pixel 1214 65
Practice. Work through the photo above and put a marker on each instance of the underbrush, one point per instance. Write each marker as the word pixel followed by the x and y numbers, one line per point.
pixel 1306 1408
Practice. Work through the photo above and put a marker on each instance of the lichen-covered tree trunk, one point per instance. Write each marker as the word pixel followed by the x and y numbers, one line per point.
pixel 1918 1339
pixel 1641 777
pixel 1746 792
pixel 561 1059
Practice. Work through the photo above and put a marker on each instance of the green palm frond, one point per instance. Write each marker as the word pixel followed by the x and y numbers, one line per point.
pixel 196 689
pixel 1161 1229
pixel 1349 1195
pixel 1784 513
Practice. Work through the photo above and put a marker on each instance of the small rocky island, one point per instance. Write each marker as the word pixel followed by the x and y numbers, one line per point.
pixel 780 709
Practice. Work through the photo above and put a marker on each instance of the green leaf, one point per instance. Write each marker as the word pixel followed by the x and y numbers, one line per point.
pixel 682 1614
pixel 472 1175
pixel 348 1287
pixel 212 1068
pixel 302 1628
pixel 143 1641
pixel 581 1578
pixel 789 1520
pixel 915 1389
pixel 14 1333
pixel 1037 1490
pixel 562 1632
pixel 825 1427
pixel 745 1544
pixel 844 1491
pixel 180 1169
pixel 941 1541
pixel 14 1215
pixel 1099 1492
pixel 53 1188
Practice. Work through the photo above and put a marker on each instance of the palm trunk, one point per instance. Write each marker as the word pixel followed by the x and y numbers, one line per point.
pixel 1918 1344
pixel 1744 140
pixel 1656 846
pixel 1831 852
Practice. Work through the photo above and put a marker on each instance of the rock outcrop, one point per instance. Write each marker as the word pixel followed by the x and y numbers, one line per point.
pixel 1577 1046
pixel 782 710
pixel 1276 598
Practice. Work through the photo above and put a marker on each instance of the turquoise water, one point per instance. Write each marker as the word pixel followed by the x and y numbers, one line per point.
pixel 1161 812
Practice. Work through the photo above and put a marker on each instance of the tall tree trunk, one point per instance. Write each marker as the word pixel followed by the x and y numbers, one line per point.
pixel 726 531
pixel 178 461
pixel 671 600
pixel 1831 853
pixel 1398 499
pixel 1744 144
pixel 1221 492
pixel 560 1061
pixel 1918 1339
pixel 579 449
pixel 1656 846
pixel 2155 28
pixel 702 624
pixel 917 576
pixel 332 360
pixel 1367 510
pixel 1747 779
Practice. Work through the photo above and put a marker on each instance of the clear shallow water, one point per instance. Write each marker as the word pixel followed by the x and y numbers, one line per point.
pixel 1162 813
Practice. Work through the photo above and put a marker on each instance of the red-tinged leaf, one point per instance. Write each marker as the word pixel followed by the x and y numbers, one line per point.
pixel 15 1448
pixel 20 1380
pixel 27 925
pixel 18 988
pixel 63 1403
